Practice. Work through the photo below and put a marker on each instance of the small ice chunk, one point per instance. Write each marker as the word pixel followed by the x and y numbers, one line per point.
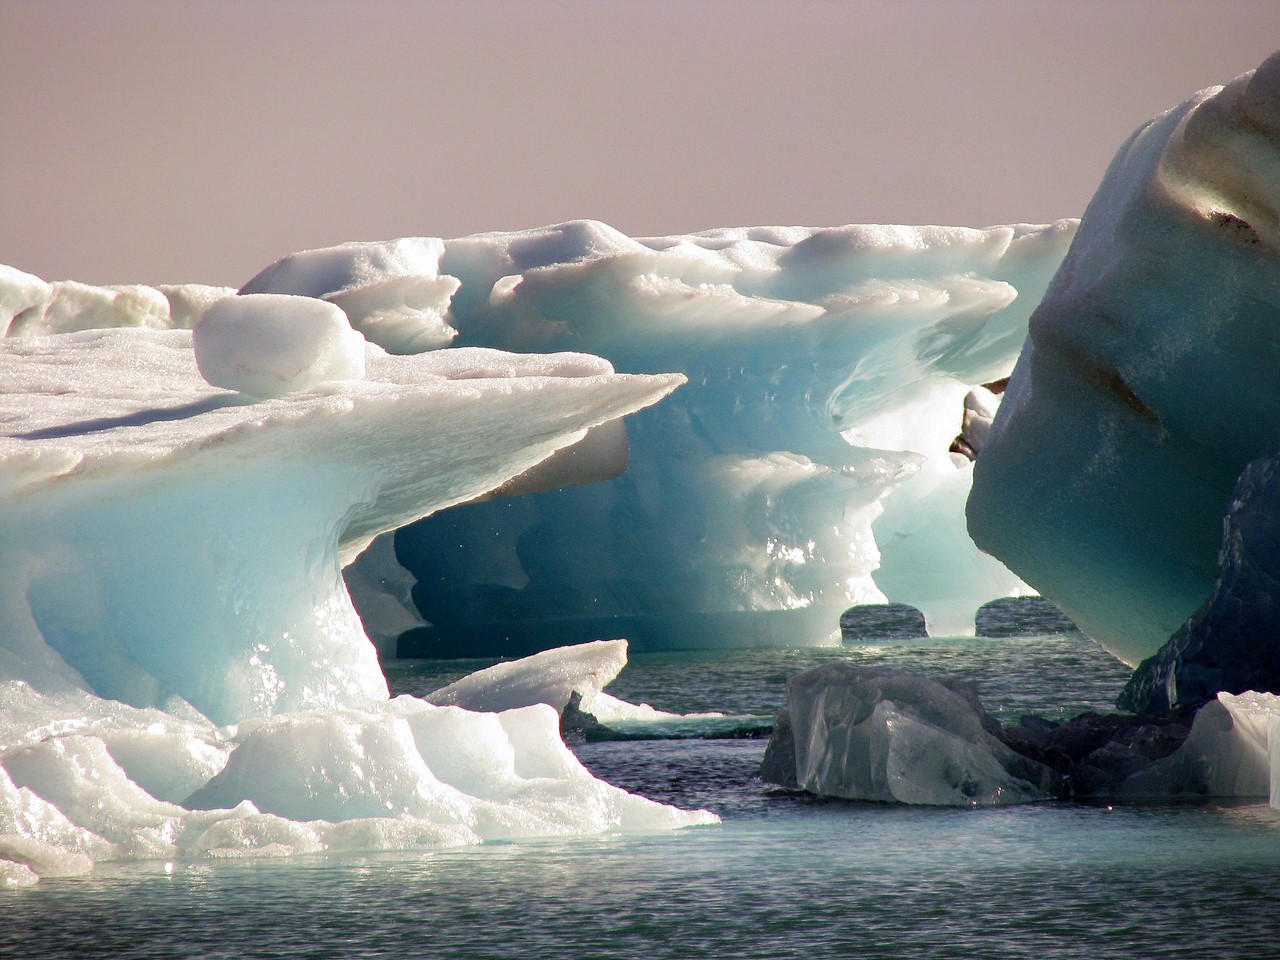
pixel 549 677
pixel 271 345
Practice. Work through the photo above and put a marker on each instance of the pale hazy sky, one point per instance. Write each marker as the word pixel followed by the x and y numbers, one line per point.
pixel 173 140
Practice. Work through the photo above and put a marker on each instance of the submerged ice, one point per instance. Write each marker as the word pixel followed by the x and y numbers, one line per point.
pixel 182 671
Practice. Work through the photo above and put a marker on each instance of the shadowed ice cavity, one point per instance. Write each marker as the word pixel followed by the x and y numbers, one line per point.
pixel 1229 643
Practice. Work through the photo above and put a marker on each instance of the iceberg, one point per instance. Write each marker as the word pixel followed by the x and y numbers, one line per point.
pixel 804 468
pixel 182 669
pixel 1147 382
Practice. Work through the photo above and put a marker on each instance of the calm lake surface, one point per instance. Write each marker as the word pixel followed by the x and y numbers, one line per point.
pixel 782 876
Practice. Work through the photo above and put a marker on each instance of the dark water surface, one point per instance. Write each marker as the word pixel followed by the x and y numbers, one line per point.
pixel 783 876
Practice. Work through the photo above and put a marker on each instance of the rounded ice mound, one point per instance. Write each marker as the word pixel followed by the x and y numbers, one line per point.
pixel 392 291
pixel 270 345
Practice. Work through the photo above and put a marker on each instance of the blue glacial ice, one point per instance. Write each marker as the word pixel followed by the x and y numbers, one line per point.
pixel 1144 389
pixel 803 469
pixel 182 671
pixel 1148 380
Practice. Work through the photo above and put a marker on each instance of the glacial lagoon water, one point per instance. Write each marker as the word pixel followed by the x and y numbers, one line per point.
pixel 782 876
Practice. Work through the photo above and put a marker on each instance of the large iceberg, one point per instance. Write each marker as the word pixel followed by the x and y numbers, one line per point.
pixel 182 671
pixel 803 469
pixel 1148 380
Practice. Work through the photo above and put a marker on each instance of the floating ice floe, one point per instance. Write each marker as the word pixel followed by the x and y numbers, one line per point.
pixel 551 677
pixel 889 736
pixel 879 734
pixel 181 668
pixel 572 680
pixel 1148 380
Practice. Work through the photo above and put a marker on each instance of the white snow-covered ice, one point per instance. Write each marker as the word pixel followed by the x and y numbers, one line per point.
pixel 270 345
pixel 392 292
